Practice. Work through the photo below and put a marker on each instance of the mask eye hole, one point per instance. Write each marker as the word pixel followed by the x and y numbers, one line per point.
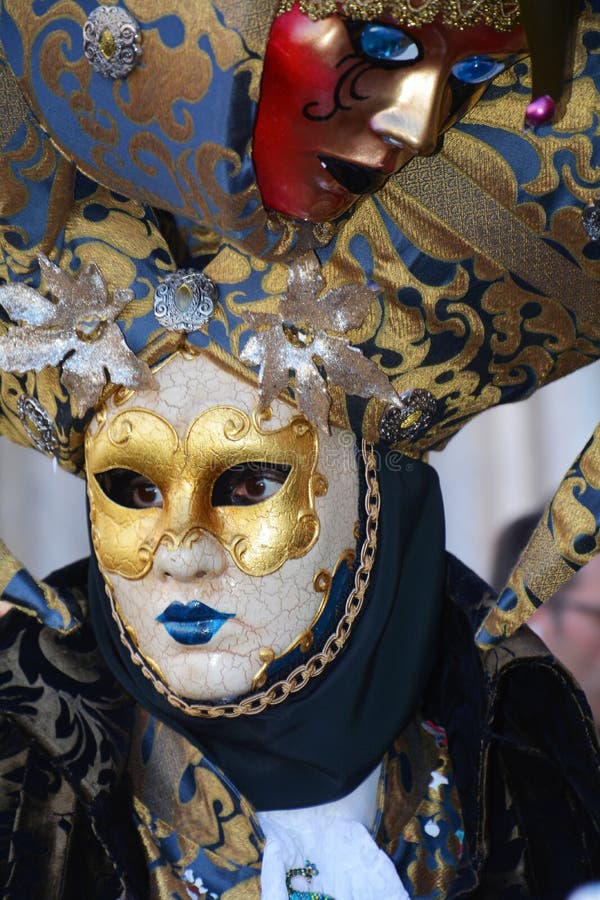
pixel 129 489
pixel 249 483
pixel 385 44
pixel 477 69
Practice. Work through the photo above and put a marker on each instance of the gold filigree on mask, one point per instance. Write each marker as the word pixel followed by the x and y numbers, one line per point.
pixel 305 640
pixel 306 336
pixel 502 15
pixel 260 537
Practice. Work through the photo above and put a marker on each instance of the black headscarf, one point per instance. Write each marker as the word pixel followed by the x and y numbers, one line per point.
pixel 320 743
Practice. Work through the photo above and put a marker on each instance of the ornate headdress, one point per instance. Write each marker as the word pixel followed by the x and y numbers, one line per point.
pixel 401 333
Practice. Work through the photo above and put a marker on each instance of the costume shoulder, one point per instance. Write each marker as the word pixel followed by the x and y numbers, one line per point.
pixel 64 738
pixel 515 715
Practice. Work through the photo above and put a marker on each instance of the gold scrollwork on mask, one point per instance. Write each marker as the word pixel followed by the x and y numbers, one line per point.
pixel 259 537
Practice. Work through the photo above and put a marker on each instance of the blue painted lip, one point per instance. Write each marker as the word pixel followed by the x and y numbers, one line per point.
pixel 192 623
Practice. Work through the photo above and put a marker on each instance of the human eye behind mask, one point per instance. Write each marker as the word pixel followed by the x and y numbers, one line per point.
pixel 244 484
pixel 130 489
pixel 247 484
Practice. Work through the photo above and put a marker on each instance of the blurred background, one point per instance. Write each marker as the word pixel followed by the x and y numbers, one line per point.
pixel 508 462
pixel 503 465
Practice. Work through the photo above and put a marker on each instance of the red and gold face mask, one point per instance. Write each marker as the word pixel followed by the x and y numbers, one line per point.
pixel 344 104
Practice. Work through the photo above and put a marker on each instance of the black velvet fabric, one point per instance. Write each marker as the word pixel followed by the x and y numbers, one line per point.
pixel 533 704
pixel 321 743
pixel 521 739
pixel 525 757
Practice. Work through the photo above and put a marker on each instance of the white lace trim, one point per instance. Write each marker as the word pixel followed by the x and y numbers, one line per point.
pixel 333 837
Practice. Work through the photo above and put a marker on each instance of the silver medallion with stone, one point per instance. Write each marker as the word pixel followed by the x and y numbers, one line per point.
pixel 591 220
pixel 112 41
pixel 185 300
pixel 37 423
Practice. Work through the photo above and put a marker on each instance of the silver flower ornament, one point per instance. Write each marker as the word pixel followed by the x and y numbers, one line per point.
pixel 78 330
pixel 298 339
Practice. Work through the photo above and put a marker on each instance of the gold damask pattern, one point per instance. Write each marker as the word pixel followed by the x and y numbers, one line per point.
pixel 50 183
pixel 86 746
pixel 74 744
pixel 212 43
pixel 520 249
pixel 433 873
pixel 204 825
pixel 421 825
pixel 480 229
pixel 188 816
pixel 566 538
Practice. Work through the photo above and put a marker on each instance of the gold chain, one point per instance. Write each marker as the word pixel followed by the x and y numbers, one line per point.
pixel 499 14
pixel 300 677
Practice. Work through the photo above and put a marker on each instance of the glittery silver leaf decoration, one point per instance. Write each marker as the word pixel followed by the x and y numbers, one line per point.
pixel 297 339
pixel 78 331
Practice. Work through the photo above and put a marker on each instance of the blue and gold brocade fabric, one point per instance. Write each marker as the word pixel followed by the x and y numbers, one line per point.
pixel 487 283
pixel 204 834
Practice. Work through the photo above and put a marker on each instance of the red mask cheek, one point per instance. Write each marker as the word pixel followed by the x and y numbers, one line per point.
pixel 300 76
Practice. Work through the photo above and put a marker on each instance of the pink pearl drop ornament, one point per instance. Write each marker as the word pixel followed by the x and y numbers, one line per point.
pixel 540 111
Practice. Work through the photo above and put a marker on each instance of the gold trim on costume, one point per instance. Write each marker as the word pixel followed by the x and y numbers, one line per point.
pixel 521 250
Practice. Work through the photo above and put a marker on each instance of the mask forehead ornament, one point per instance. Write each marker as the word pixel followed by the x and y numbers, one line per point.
pixel 499 14
pixel 302 343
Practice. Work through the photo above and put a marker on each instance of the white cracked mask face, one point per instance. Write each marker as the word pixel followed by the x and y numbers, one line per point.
pixel 216 528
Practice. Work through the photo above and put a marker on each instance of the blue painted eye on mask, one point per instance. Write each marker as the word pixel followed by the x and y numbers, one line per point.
pixel 386 44
pixel 477 69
